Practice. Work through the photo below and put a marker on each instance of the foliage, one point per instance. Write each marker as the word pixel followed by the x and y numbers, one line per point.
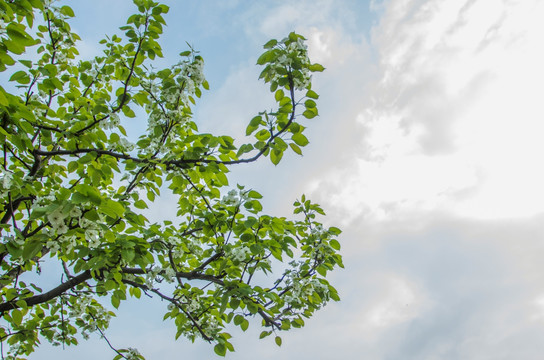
pixel 73 188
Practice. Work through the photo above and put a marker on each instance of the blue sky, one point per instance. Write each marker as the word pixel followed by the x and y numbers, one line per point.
pixel 427 153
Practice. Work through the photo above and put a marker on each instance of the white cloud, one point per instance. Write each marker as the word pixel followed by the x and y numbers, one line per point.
pixel 455 120
pixel 448 127
pixel 399 301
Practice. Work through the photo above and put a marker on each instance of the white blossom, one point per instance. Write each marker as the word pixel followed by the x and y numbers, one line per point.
pixel 75 212
pixel 234 198
pixel 43 94
pixel 169 274
pixel 125 145
pixel 53 245
pixel 85 223
pixel 61 228
pixel 112 121
pixel 240 253
pixel 193 305
pixel 151 275
pixel 132 354
pixel 56 218
pixel 92 236
pixel 60 56
pixel 210 328
pixel 6 178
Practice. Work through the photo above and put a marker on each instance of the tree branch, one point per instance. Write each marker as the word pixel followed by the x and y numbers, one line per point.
pixel 49 295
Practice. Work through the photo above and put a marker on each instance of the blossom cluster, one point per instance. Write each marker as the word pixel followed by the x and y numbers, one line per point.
pixel 79 309
pixel 302 287
pixel 239 253
pixel 60 221
pixel 6 180
pixel 132 354
pixel 234 198
pixel 151 276
pixel 293 58
pixel 111 122
pixel 191 305
pixel 181 244
pixel 209 326
pixel 322 248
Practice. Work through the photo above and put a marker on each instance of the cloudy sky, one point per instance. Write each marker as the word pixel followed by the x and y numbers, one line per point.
pixel 428 154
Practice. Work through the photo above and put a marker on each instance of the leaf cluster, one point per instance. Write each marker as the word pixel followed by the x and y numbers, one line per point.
pixel 74 188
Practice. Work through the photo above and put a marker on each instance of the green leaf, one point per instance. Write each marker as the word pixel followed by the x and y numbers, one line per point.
pixel 222 178
pixel 234 303
pixel 278 340
pixel 263 134
pixel 238 319
pixel 254 195
pixel 220 349
pixel 270 44
pixel 140 204
pixel 310 103
pixel 115 301
pixel 300 139
pixel 112 208
pixel 3 99
pixel 309 114
pixel 321 271
pixel 279 95
pixel 335 244
pixel 312 94
pixel 253 124
pixel 21 77
pixel 316 68
pixel 275 156
pixel 295 148
pixel 267 56
pixel 17 317
pixel 66 10
pixel 31 248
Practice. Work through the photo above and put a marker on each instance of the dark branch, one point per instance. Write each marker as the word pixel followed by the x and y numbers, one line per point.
pixel 51 294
